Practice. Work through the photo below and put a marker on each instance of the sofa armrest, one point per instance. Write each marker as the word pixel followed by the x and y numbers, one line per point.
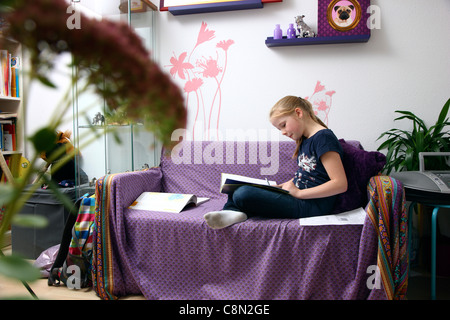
pixel 114 193
pixel 129 185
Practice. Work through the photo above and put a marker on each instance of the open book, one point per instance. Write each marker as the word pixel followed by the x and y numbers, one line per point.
pixel 165 202
pixel 230 182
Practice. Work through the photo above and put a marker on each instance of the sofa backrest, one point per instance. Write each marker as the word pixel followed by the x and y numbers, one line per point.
pixel 196 167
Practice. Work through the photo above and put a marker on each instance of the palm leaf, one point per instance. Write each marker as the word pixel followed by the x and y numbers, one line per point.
pixel 444 112
pixel 403 146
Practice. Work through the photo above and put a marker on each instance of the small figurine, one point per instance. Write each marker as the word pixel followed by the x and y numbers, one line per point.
pixel 99 119
pixel 304 31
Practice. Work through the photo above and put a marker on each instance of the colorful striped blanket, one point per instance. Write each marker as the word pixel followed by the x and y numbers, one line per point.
pixel 387 211
pixel 101 263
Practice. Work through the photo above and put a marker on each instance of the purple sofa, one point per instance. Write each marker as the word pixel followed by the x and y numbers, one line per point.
pixel 177 256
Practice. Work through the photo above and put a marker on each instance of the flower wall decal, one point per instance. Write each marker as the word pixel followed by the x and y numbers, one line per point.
pixel 204 75
pixel 321 99
pixel 179 66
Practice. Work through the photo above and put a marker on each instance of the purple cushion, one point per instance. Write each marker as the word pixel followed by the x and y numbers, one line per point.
pixel 360 166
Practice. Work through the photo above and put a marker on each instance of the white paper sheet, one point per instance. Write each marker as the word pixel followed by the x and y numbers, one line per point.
pixel 356 216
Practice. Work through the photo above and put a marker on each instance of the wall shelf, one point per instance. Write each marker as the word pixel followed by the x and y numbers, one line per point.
pixel 214 7
pixel 271 42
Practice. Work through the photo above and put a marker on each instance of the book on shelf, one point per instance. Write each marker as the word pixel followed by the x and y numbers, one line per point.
pixel 8 135
pixel 15 77
pixel 9 75
pixel 230 182
pixel 166 202
pixel 3 122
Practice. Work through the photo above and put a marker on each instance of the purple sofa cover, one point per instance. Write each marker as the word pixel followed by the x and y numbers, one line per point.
pixel 177 256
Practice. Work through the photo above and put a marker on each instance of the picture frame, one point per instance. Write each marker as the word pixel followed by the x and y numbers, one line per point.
pixel 138 6
pixel 344 15
pixel 342 18
pixel 206 6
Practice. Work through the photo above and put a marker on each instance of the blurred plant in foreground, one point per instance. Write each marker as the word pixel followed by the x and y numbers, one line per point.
pixel 110 57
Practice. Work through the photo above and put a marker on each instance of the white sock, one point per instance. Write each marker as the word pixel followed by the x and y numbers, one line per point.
pixel 224 218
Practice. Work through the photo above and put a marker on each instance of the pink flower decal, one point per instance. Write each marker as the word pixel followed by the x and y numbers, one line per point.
pixel 193 85
pixel 179 66
pixel 210 68
pixel 225 44
pixel 206 73
pixel 318 88
pixel 321 101
pixel 204 35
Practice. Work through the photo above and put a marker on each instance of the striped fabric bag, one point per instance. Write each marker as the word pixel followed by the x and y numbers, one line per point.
pixel 75 272
pixel 81 244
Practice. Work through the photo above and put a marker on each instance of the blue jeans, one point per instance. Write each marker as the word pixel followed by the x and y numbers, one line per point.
pixel 258 202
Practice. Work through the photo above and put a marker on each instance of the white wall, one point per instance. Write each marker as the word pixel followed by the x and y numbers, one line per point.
pixel 43 103
pixel 405 65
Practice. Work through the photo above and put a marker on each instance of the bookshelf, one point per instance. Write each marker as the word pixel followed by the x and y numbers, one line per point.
pixel 11 113
pixel 11 103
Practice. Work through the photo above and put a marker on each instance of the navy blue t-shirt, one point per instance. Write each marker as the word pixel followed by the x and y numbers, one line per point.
pixel 311 171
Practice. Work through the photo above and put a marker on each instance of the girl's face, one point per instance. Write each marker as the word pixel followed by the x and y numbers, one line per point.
pixel 290 126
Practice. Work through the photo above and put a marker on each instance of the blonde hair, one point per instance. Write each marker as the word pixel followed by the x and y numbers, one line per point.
pixel 286 107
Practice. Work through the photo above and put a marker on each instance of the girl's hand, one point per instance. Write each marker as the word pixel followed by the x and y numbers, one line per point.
pixel 282 186
pixel 290 186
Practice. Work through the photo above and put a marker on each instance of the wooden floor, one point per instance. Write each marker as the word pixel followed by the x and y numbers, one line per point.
pixel 16 290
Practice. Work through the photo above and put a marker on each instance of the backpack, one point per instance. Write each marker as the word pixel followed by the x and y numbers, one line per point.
pixel 73 263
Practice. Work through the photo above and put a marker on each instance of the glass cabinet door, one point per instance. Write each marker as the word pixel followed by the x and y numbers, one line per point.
pixel 112 147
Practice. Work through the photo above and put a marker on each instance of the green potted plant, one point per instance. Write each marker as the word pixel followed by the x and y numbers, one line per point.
pixel 403 146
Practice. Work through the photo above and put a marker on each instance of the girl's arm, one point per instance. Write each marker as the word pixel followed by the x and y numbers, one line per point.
pixel 337 184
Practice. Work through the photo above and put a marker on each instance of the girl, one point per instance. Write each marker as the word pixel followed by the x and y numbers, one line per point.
pixel 312 190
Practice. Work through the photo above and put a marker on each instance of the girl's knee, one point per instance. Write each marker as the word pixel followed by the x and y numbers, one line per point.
pixel 242 195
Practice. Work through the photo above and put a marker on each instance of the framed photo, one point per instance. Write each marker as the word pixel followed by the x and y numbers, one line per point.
pixel 137 6
pixel 342 17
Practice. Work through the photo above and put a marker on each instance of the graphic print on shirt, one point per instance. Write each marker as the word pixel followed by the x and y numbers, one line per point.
pixel 306 164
